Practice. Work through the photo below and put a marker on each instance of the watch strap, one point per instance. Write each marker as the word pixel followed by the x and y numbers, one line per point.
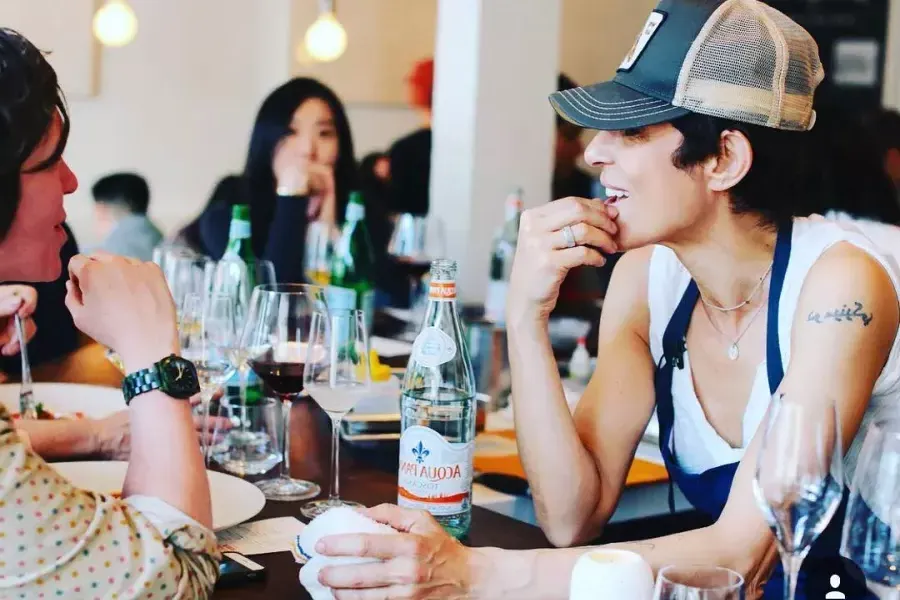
pixel 140 382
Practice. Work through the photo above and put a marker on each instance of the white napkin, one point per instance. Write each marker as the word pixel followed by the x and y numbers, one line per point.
pixel 333 522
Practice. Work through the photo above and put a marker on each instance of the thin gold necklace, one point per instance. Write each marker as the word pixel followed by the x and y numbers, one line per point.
pixel 733 351
pixel 745 302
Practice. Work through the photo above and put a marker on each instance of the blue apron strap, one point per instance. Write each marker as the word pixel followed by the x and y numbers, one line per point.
pixel 674 344
pixel 779 269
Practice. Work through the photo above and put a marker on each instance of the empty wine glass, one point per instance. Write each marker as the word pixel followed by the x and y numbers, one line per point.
pixel 698 583
pixel 799 477
pixel 337 376
pixel 275 339
pixel 871 536
pixel 207 334
pixel 188 274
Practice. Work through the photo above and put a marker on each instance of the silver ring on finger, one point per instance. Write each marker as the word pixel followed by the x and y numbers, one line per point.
pixel 570 236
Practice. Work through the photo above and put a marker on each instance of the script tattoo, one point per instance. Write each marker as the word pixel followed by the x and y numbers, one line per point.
pixel 840 315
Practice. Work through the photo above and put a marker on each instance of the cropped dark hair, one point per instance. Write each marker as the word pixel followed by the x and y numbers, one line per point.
pixel 273 122
pixel 126 190
pixel 29 98
pixel 777 185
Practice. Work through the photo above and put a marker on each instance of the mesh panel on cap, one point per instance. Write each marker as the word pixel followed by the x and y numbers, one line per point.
pixel 753 64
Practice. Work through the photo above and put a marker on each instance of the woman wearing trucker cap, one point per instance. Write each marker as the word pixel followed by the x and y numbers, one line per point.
pixel 701 137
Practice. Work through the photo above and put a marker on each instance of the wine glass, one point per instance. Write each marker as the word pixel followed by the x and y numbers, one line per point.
pixel 871 536
pixel 237 278
pixel 698 583
pixel 337 376
pixel 207 334
pixel 188 274
pixel 798 483
pixel 414 243
pixel 320 239
pixel 274 339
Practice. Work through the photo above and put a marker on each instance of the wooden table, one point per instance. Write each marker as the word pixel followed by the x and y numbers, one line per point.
pixel 368 478
pixel 363 482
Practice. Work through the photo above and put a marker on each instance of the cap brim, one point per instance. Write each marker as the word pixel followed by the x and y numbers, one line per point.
pixel 612 106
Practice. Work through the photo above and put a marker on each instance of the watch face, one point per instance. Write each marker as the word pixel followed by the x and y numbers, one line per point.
pixel 178 377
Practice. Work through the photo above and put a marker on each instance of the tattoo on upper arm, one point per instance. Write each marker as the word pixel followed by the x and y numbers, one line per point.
pixel 843 314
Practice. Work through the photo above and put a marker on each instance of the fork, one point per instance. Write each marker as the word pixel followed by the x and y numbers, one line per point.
pixel 27 406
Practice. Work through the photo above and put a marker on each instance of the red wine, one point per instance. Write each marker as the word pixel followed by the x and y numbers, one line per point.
pixel 412 268
pixel 283 377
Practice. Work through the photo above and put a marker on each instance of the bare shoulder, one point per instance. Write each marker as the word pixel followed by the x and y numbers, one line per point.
pixel 846 319
pixel 626 299
pixel 849 286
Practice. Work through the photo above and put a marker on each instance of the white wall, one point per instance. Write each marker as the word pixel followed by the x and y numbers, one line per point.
pixel 178 103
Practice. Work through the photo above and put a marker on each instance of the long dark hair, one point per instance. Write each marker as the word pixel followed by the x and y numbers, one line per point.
pixel 229 190
pixel 272 124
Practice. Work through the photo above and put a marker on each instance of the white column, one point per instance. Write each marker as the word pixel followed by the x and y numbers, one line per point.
pixel 496 62
pixel 891 93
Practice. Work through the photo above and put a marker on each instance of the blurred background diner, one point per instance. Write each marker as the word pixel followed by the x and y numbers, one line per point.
pixel 348 145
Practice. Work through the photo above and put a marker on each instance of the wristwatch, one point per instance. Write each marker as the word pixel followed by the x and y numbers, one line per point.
pixel 173 375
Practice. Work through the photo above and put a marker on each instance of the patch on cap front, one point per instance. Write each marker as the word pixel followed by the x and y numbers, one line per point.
pixel 655 19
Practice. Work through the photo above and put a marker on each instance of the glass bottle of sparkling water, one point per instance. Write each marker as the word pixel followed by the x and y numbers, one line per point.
pixel 437 410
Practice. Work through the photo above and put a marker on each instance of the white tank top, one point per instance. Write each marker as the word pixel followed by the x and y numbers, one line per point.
pixel 700 447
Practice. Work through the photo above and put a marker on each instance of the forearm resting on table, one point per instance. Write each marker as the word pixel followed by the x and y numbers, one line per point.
pixel 545 574
pixel 547 438
pixel 166 461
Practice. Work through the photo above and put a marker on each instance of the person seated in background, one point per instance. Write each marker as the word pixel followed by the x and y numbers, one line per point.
pixel 884 125
pixel 584 285
pixel 707 316
pixel 374 180
pixel 300 168
pixel 120 216
pixel 228 188
pixel 410 156
pixel 56 334
pixel 161 527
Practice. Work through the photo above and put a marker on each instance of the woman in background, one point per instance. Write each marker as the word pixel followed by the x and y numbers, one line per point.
pixel 189 236
pixel 300 168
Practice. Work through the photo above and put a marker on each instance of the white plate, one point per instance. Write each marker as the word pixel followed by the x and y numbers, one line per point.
pixel 233 500
pixel 94 401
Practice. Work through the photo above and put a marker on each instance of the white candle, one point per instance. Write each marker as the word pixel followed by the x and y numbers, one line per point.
pixel 601 574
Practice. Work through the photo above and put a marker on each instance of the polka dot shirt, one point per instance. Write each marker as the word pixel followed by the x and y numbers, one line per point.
pixel 57 541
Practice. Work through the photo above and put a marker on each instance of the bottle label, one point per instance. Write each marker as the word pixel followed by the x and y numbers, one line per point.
pixel 239 230
pixel 442 290
pixel 433 347
pixel 435 475
pixel 355 212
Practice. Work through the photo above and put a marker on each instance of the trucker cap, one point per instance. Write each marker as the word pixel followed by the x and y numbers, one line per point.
pixel 737 59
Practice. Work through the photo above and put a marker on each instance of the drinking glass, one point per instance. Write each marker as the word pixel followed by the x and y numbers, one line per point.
pixel 274 340
pixel 207 333
pixel 871 536
pixel 188 274
pixel 320 239
pixel 254 441
pixel 698 583
pixel 798 483
pixel 414 243
pixel 337 376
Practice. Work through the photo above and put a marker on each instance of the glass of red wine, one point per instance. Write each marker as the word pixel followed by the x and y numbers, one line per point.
pixel 415 242
pixel 274 340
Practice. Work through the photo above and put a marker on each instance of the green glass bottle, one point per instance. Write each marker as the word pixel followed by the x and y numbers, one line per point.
pixel 353 264
pixel 240 261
